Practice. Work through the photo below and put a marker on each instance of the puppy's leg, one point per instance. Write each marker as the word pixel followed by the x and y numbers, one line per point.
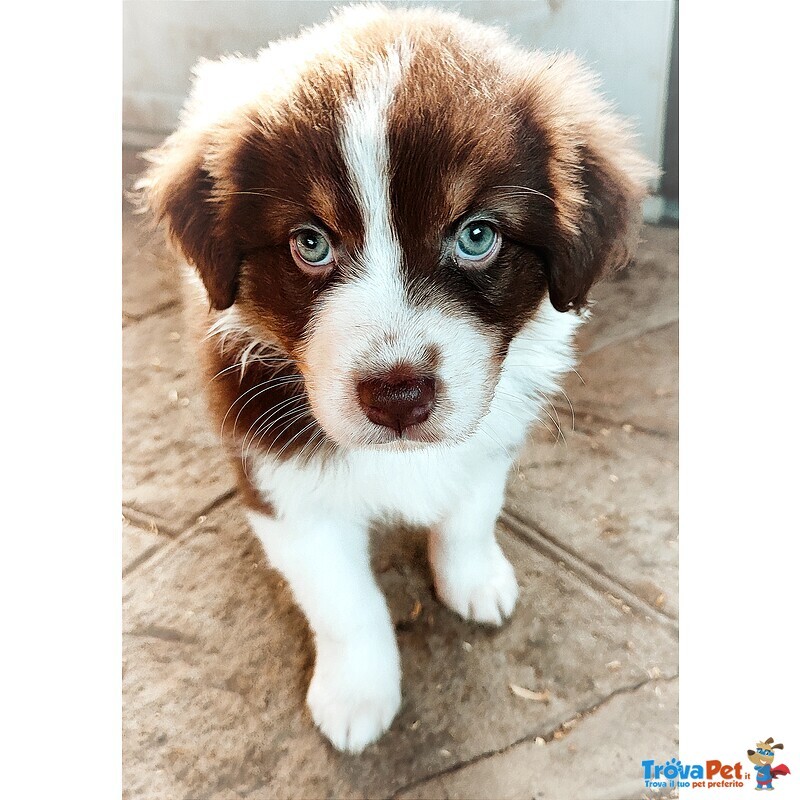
pixel 471 574
pixel 355 691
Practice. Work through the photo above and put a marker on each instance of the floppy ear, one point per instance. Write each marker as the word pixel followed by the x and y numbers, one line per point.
pixel 179 191
pixel 605 234
pixel 598 180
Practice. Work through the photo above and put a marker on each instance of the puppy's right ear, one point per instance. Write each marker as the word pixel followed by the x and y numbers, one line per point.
pixel 597 178
pixel 179 191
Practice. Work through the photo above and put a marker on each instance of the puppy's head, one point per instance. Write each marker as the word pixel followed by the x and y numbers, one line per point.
pixel 389 199
pixel 764 753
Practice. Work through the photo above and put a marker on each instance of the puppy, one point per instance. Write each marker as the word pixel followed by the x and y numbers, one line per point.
pixel 395 219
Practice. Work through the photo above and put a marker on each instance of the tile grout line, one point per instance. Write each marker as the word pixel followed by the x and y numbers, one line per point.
pixel 610 423
pixel 215 504
pixel 156 554
pixel 548 737
pixel 533 536
pixel 144 557
pixel 180 535
pixel 133 319
pixel 146 521
pixel 590 351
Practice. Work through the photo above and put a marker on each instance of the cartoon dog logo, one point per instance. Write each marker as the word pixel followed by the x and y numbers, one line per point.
pixel 762 757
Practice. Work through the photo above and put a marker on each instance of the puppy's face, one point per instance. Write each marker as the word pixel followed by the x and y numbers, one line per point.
pixel 394 209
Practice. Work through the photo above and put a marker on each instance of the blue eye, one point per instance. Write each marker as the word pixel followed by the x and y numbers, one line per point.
pixel 477 241
pixel 311 248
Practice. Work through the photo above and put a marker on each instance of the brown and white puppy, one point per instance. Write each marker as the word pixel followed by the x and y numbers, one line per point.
pixel 395 218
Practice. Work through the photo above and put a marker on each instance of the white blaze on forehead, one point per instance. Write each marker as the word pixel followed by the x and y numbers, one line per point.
pixel 365 324
pixel 365 147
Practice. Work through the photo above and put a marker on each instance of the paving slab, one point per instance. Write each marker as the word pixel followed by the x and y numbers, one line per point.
pixel 610 497
pixel 217 660
pixel 138 544
pixel 173 467
pixel 149 272
pixel 634 382
pixel 598 759
pixel 637 299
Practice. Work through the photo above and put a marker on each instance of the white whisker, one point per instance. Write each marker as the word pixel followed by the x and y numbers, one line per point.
pixel 259 388
pixel 295 437
pixel 523 190
pixel 289 416
pixel 260 423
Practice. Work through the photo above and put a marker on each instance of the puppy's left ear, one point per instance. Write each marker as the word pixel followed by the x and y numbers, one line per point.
pixel 597 178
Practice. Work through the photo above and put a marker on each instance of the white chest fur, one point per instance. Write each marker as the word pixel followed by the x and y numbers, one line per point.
pixel 421 485
pixel 318 539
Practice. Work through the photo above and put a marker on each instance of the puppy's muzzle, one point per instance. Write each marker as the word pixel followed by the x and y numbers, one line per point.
pixel 397 400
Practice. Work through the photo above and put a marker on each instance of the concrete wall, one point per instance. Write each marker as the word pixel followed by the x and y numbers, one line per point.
pixel 626 41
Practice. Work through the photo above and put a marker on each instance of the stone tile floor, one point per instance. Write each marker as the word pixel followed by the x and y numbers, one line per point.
pixel 217 658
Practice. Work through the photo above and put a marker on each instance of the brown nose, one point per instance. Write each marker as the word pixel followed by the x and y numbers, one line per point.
pixel 397 402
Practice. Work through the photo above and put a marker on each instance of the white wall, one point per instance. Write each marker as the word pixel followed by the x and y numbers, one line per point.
pixel 626 41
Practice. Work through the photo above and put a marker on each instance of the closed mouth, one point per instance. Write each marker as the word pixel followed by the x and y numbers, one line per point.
pixel 411 438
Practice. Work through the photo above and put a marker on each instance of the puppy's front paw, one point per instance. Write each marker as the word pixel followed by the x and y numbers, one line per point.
pixel 354 694
pixel 476 587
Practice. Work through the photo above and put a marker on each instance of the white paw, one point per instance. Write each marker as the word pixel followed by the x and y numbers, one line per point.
pixel 482 589
pixel 354 694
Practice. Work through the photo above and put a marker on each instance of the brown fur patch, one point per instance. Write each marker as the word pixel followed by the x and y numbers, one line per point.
pixel 248 493
pixel 261 407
